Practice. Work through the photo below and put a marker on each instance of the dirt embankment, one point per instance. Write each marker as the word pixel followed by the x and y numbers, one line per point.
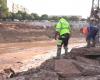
pixel 24 33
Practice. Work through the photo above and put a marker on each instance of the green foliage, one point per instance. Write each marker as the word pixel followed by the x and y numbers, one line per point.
pixel 74 18
pixel 3 9
pixel 35 16
pixel 44 17
pixel 56 18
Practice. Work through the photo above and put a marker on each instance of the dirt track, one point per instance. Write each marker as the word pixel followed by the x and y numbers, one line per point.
pixel 13 54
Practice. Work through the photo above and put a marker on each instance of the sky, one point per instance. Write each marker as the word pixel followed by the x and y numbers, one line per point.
pixel 56 7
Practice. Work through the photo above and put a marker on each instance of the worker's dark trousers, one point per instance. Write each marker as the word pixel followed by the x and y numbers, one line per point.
pixel 91 41
pixel 91 37
pixel 62 41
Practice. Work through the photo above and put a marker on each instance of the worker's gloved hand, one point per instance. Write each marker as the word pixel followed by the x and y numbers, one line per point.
pixel 56 37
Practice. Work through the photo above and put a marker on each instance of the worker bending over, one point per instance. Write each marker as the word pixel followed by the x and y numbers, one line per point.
pixel 92 32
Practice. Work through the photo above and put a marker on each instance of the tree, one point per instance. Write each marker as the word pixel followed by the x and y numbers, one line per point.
pixel 32 16
pixel 18 15
pixel 3 8
pixel 21 16
pixel 74 18
pixel 56 18
pixel 35 16
pixel 65 17
pixel 11 16
pixel 44 17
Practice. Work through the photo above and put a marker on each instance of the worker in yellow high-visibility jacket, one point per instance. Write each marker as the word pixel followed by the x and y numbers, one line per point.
pixel 63 31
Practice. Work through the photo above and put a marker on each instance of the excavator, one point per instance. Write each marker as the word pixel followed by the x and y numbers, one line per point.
pixel 95 13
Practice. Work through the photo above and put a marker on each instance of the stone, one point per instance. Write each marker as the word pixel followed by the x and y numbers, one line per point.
pixel 88 61
pixel 87 69
pixel 66 68
pixel 85 51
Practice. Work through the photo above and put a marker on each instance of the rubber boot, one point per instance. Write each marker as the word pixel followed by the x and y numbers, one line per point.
pixel 58 52
pixel 66 50
pixel 93 43
pixel 88 44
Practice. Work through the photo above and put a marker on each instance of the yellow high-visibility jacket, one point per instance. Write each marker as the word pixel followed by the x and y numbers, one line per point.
pixel 63 27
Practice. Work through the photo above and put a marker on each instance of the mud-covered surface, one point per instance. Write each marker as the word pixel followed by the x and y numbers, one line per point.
pixel 69 67
pixel 26 55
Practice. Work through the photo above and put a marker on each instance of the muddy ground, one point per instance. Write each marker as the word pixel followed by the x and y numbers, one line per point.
pixel 19 42
pixel 23 47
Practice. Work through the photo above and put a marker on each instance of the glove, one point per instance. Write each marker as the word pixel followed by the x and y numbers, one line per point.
pixel 56 35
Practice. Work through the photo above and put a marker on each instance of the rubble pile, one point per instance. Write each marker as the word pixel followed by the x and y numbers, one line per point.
pixel 79 64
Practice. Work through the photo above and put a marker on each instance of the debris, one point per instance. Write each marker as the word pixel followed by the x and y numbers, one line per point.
pixel 76 68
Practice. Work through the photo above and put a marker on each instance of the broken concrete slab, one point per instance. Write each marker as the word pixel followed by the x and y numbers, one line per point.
pixel 87 69
pixel 85 52
pixel 87 61
pixel 66 68
pixel 48 65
